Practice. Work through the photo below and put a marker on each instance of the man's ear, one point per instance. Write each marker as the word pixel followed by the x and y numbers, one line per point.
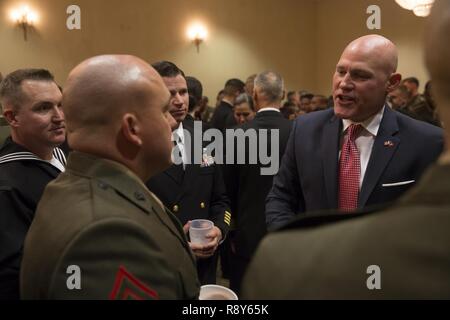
pixel 11 117
pixel 393 82
pixel 131 129
pixel 255 97
pixel 283 95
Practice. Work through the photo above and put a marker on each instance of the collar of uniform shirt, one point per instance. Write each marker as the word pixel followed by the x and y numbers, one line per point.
pixel 371 125
pixel 268 109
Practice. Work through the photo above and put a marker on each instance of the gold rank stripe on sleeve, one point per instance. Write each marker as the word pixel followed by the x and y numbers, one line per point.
pixel 227 218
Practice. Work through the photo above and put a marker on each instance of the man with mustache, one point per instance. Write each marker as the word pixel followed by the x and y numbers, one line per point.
pixel 360 153
pixel 29 160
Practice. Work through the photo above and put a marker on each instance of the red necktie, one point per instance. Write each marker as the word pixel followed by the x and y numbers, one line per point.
pixel 349 170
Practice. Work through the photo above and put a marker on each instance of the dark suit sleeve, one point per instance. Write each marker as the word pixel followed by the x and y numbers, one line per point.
pixel 15 219
pixel 220 205
pixel 118 259
pixel 285 198
pixel 231 178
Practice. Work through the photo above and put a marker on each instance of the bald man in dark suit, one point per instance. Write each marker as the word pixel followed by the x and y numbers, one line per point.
pixel 400 253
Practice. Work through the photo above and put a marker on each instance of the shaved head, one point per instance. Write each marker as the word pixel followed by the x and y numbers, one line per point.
pixel 382 49
pixel 116 107
pixel 99 90
pixel 365 74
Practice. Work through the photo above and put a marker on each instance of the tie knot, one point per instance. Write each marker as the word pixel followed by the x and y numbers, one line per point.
pixel 353 131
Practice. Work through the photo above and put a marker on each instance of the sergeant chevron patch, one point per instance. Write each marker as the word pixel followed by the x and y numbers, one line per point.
pixel 127 287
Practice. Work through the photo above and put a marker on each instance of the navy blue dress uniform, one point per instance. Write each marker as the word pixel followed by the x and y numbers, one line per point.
pixel 100 219
pixel 23 177
pixel 195 192
pixel 247 189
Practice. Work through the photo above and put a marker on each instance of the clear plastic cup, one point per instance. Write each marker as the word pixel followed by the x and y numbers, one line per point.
pixel 199 229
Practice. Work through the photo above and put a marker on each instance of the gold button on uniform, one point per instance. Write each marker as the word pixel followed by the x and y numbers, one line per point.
pixel 202 205
pixel 175 208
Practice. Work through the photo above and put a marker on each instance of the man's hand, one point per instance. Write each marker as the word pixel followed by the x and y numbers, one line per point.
pixel 203 251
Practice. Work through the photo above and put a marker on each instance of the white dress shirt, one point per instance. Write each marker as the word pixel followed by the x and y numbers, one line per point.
pixel 364 142
pixel 178 136
pixel 268 109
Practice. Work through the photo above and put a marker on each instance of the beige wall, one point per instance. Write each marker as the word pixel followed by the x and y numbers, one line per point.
pixel 338 22
pixel 301 39
pixel 246 36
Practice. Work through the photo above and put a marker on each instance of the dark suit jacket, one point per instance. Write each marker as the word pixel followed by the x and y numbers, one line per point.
pixel 308 176
pixel 22 182
pixel 248 189
pixel 223 116
pixel 410 244
pixel 195 193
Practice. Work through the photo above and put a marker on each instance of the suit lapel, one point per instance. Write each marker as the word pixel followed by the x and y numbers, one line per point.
pixel 330 151
pixel 383 149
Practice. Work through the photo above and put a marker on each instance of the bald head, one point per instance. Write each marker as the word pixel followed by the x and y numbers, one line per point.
pixel 99 90
pixel 365 74
pixel 382 51
pixel 437 49
pixel 116 108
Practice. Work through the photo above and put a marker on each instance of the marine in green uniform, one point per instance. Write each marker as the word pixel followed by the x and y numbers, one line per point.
pixel 98 232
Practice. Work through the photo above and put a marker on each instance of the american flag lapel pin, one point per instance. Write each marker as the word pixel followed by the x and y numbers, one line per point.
pixel 388 143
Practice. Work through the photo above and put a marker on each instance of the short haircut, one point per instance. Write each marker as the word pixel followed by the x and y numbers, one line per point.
pixel 323 99
pixel 270 84
pixel 411 80
pixel 245 98
pixel 404 91
pixel 290 94
pixel 167 69
pixel 233 86
pixel 288 109
pixel 195 91
pixel 10 87
pixel 306 95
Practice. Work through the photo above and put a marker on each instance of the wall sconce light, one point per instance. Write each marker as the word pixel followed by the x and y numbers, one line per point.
pixel 421 8
pixel 197 33
pixel 25 18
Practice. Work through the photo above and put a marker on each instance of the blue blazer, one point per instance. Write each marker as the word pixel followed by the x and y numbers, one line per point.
pixel 308 175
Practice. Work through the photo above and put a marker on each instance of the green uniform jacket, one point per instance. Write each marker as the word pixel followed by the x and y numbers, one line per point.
pixel 410 243
pixel 99 233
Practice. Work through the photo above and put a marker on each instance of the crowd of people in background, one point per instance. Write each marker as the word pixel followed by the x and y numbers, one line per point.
pixel 406 98
pixel 122 209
